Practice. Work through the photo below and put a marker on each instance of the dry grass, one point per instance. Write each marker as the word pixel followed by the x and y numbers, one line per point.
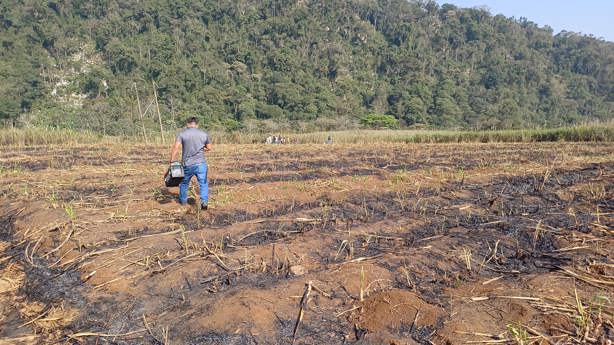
pixel 584 133
pixel 44 136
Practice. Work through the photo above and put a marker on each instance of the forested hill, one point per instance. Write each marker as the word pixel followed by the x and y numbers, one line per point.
pixel 303 64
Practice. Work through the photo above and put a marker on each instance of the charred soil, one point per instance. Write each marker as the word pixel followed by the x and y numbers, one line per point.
pixel 431 244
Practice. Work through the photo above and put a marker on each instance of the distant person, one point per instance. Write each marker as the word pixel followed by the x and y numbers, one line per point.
pixel 329 140
pixel 194 143
pixel 269 140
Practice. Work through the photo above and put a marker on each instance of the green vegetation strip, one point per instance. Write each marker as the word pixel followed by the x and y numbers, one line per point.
pixel 588 133
pixel 570 134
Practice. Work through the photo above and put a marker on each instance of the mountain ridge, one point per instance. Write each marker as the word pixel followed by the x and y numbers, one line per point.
pixel 277 64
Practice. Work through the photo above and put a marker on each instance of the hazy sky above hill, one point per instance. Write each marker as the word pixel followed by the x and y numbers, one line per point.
pixel 588 16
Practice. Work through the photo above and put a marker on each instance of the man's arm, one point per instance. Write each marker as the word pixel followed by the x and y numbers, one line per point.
pixel 207 147
pixel 175 151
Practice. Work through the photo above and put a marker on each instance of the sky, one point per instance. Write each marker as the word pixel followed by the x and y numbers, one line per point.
pixel 594 17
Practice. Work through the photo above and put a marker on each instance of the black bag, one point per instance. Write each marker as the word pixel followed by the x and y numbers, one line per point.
pixel 174 175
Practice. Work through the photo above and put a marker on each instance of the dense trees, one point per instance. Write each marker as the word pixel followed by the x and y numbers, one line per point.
pixel 246 63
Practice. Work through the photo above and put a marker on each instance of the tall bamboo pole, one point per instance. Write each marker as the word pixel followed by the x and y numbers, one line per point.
pixel 173 114
pixel 138 100
pixel 153 84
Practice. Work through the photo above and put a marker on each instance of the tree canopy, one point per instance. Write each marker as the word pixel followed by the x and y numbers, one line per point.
pixel 312 64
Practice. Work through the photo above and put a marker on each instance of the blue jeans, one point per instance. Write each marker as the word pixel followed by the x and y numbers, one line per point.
pixel 200 170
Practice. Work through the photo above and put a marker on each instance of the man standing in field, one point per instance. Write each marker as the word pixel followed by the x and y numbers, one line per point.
pixel 194 143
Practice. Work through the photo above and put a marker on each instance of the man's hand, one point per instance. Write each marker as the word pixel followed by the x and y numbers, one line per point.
pixel 207 148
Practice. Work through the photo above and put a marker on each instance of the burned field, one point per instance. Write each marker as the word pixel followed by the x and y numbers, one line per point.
pixel 405 244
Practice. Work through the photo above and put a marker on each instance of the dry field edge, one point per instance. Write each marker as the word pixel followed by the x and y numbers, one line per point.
pixel 310 244
pixel 603 132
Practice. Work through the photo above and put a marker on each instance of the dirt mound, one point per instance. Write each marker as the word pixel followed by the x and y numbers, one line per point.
pixel 394 310
pixel 385 338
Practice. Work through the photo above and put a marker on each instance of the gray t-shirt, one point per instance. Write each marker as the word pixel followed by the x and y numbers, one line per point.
pixel 193 142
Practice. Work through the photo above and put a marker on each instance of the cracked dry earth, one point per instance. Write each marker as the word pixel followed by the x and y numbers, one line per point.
pixel 310 244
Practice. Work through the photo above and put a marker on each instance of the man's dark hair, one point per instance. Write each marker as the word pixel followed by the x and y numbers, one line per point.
pixel 192 119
